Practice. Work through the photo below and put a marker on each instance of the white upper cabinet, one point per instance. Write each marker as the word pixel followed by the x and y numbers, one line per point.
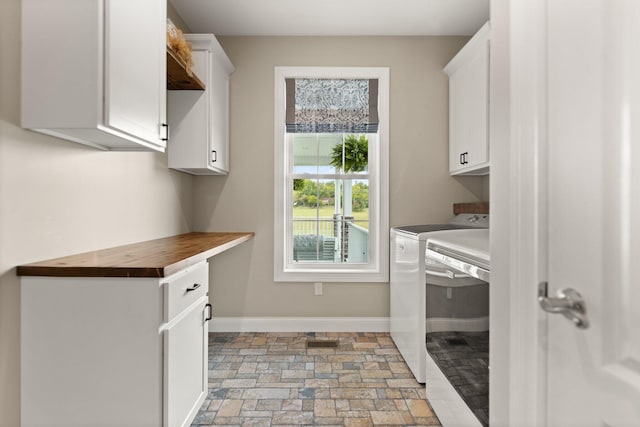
pixel 94 72
pixel 469 107
pixel 199 120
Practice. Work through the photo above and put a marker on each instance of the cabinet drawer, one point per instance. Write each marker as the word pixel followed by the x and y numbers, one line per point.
pixel 184 288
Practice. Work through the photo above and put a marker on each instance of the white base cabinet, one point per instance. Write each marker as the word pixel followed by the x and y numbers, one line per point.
pixel 94 72
pixel 114 351
pixel 199 120
pixel 468 75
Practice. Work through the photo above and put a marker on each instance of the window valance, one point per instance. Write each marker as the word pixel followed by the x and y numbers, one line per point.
pixel 332 105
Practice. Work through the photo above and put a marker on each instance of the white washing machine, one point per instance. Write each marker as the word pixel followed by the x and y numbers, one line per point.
pixel 408 279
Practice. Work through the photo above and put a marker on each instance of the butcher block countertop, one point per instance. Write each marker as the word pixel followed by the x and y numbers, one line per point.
pixel 153 258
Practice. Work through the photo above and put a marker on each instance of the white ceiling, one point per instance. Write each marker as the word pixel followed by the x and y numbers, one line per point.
pixel 333 17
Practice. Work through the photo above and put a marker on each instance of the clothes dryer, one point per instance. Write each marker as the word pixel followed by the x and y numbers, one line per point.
pixel 408 279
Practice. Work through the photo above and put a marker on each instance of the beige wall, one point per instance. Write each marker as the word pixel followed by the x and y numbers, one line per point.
pixel 177 20
pixel 421 190
pixel 58 198
pixel 486 188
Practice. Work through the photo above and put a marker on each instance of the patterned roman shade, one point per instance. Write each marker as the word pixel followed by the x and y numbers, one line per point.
pixel 332 105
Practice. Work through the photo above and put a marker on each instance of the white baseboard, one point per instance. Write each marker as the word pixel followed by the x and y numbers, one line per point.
pixel 299 324
pixel 442 324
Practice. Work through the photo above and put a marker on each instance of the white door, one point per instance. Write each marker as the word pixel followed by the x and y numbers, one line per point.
pixel 593 113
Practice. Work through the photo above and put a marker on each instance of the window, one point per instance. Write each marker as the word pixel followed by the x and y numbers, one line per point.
pixel 331 174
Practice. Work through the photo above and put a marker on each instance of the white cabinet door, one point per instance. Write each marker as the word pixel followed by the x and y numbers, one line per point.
pixel 200 120
pixel 185 364
pixel 219 127
pixel 469 107
pixel 135 68
pixel 94 72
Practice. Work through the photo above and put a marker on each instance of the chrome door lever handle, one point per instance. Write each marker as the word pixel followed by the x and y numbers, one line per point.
pixel 568 302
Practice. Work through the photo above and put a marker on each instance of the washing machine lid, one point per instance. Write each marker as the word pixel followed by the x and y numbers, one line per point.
pixel 426 228
pixel 459 222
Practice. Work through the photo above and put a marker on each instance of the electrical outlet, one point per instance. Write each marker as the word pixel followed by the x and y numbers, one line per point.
pixel 317 288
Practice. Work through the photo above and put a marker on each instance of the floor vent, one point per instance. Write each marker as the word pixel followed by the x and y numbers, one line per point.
pixel 322 343
pixel 456 341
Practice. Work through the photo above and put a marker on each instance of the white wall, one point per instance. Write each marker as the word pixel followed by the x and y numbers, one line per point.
pixel 421 190
pixel 58 198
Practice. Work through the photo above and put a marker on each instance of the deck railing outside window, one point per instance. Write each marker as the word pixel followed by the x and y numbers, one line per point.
pixel 351 246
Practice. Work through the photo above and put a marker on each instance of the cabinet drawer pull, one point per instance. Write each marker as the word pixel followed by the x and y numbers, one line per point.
pixel 194 287
pixel 463 158
pixel 214 157
pixel 165 128
pixel 210 312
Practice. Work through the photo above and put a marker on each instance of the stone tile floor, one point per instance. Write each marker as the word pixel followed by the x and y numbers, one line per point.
pixel 272 379
pixel 463 357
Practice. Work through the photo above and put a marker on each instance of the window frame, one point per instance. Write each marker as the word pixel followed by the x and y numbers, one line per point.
pixel 377 268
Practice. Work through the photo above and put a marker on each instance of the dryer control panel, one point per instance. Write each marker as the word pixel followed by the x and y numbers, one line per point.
pixel 471 220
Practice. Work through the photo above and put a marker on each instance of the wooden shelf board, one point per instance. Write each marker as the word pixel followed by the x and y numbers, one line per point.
pixel 177 76
pixel 474 207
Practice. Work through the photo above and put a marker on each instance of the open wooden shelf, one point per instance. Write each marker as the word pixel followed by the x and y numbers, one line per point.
pixel 177 77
